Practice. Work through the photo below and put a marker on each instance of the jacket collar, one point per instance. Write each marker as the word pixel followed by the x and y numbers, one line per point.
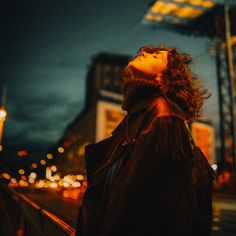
pixel 142 106
pixel 149 104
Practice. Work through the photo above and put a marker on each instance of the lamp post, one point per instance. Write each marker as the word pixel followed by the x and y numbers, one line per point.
pixel 3 115
pixel 232 78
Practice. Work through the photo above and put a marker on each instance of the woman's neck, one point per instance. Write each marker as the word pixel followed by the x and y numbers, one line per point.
pixel 137 90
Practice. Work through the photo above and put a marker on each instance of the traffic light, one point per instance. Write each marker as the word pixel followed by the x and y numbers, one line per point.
pixel 22 153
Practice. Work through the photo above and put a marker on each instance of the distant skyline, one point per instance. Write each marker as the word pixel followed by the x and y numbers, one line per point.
pixel 47 48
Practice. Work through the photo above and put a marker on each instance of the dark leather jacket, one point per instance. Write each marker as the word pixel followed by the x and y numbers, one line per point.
pixel 164 182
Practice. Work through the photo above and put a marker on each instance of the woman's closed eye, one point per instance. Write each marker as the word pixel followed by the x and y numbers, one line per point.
pixel 159 55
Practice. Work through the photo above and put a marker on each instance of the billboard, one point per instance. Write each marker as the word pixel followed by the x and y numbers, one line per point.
pixel 204 137
pixel 109 115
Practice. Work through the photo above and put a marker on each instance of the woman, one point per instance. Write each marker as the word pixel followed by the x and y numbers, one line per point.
pixel 149 178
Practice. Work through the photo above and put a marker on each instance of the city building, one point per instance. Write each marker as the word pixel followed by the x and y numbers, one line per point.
pixel 100 115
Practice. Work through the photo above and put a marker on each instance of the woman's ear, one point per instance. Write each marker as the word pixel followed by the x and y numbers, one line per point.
pixel 159 78
pixel 163 85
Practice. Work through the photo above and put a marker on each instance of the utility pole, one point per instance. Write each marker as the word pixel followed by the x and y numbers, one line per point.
pixel 231 77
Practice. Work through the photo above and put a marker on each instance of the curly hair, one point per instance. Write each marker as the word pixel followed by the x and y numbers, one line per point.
pixel 179 84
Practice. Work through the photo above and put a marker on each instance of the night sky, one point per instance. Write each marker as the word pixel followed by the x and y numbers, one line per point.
pixel 46 48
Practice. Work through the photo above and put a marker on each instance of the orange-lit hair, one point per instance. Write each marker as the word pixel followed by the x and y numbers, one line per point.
pixel 183 87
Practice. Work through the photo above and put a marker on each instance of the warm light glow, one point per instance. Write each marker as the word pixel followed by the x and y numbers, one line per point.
pixel 177 11
pixel 3 114
pixel 79 177
pixel 23 183
pixel 53 185
pixel 23 177
pixel 66 194
pixel 216 228
pixel 46 185
pixel 6 176
pixel 49 156
pixel 57 177
pixel 204 137
pixel 19 153
pixel 187 12
pixel 163 8
pixel 34 165
pixel 151 17
pixel 72 193
pixel 40 184
pixel 52 178
pixel 214 166
pixel 60 183
pixel 54 168
pixel 60 149
pixel 48 172
pixel 1 148
pixel 43 162
pixel 66 185
pixel 201 3
pixel 31 180
pixel 76 184
pixel 13 183
pixel 21 171
pixel 69 179
pixel 232 42
pixel 81 150
pixel 33 175
pixel 13 180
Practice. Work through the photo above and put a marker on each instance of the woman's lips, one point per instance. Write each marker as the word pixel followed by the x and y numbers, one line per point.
pixel 138 58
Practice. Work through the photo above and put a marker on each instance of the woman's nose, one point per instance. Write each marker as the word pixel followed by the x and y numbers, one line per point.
pixel 143 54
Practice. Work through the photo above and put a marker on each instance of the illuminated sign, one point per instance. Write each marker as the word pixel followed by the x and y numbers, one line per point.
pixel 109 115
pixel 177 11
pixel 204 137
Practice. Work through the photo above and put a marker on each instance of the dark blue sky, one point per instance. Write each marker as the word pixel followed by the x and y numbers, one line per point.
pixel 46 47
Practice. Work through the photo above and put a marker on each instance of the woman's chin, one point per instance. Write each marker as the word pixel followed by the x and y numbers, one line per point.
pixel 137 73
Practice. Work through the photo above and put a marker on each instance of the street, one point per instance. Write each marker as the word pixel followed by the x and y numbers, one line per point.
pixel 65 208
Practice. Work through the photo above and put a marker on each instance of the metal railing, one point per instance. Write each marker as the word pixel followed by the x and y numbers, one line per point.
pixel 28 218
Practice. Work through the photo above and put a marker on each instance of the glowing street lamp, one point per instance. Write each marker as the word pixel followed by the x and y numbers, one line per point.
pixel 3 115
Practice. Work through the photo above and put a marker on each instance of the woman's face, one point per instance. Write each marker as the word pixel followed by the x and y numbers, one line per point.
pixel 149 64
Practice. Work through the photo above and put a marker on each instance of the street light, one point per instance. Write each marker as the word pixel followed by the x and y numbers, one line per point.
pixel 3 115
